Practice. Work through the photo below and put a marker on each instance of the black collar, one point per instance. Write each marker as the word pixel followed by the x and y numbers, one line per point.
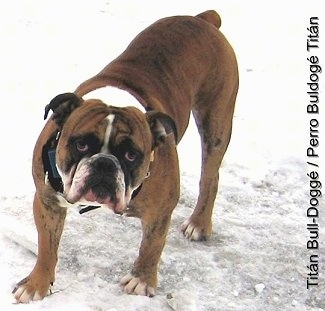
pixel 52 175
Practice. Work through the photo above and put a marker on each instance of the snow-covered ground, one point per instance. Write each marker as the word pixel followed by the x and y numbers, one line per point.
pixel 256 258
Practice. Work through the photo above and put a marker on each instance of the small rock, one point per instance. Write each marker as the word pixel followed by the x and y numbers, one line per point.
pixel 259 288
pixel 235 293
pixel 182 300
pixel 276 299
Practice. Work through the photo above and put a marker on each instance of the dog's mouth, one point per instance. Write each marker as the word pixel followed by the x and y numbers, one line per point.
pixel 103 196
pixel 99 196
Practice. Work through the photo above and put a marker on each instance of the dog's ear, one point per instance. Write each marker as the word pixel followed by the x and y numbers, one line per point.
pixel 62 105
pixel 161 125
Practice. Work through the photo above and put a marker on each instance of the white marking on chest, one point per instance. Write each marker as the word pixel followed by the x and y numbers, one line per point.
pixel 110 119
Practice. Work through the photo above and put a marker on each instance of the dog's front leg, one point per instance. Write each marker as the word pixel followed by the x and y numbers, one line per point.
pixel 143 278
pixel 49 221
pixel 154 205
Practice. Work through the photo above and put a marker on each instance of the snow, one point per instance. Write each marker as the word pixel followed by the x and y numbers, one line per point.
pixel 256 258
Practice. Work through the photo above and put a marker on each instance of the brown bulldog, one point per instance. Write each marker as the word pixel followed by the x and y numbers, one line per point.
pixel 91 154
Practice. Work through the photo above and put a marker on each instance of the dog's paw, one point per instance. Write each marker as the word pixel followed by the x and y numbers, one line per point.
pixel 28 290
pixel 195 232
pixel 134 286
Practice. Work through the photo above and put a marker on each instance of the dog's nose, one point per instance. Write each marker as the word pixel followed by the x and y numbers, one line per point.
pixel 105 163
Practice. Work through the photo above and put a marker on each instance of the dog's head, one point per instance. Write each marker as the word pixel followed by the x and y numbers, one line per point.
pixel 104 152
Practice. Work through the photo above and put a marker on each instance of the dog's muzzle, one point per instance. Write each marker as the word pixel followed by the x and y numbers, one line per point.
pixel 99 179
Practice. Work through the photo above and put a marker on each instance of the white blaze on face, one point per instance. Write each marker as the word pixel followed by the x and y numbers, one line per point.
pixel 110 118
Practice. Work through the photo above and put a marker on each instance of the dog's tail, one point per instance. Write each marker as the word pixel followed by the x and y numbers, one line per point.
pixel 211 17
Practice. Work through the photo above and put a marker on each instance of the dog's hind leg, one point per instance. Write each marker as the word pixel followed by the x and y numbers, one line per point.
pixel 214 121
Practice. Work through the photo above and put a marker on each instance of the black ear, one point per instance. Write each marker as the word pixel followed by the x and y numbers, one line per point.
pixel 161 125
pixel 62 105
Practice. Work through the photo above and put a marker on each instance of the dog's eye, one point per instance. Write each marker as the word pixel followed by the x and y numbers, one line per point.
pixel 82 146
pixel 130 156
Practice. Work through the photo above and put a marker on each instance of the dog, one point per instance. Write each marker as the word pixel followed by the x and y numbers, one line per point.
pixel 92 154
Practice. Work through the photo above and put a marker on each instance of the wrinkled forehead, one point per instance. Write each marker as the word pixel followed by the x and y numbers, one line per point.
pixel 102 120
pixel 90 117
pixel 129 122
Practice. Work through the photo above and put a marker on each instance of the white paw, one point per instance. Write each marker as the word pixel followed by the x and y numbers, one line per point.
pixel 22 295
pixel 192 232
pixel 134 286
pixel 34 287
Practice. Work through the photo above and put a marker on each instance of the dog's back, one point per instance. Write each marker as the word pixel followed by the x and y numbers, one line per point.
pixel 170 63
